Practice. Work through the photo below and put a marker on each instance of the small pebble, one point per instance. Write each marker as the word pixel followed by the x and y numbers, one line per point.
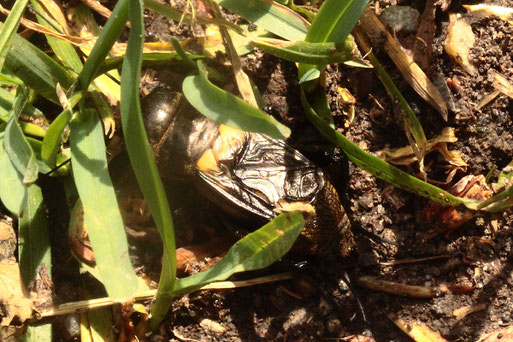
pixel 71 327
pixel 403 19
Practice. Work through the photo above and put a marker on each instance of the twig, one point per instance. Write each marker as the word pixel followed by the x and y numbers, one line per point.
pixel 86 305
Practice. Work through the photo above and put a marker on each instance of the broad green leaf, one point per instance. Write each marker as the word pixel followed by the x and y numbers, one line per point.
pixel 101 212
pixel 38 332
pixel 110 33
pixel 381 169
pixel 9 27
pixel 36 69
pixel 254 251
pixel 225 108
pixel 274 17
pixel 13 193
pixel 16 145
pixel 305 52
pixel 54 138
pixel 141 158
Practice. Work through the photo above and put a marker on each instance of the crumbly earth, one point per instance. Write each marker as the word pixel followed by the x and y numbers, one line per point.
pixel 322 301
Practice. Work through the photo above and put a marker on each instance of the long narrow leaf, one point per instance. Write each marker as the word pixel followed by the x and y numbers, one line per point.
pixel 333 23
pixel 9 28
pixel 254 251
pixel 101 212
pixel 380 168
pixel 13 193
pixel 6 102
pixel 62 49
pixel 141 158
pixel 225 108
pixel 110 33
pixel 305 52
pixel 16 145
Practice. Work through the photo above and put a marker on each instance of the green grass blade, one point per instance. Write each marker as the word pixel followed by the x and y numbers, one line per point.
pixel 141 158
pixel 335 20
pixel 305 52
pixel 7 101
pixel 273 17
pixel 54 138
pixel 381 169
pixel 101 211
pixel 333 23
pixel 62 49
pixel 152 58
pixel 8 29
pixel 254 251
pixel 13 193
pixel 16 145
pixel 36 69
pixel 225 108
pixel 110 33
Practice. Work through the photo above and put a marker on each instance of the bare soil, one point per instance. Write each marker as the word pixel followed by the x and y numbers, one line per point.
pixel 322 301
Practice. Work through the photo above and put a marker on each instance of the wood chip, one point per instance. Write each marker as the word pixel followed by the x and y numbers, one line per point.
pixel 462 312
pixel 414 291
pixel 419 332
pixel 501 84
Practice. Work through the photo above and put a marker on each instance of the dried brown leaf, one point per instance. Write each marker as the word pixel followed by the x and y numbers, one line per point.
pixel 14 301
pixel 54 11
pixel 460 40
pixel 77 41
pixel 484 10
pixel 406 156
pixel 501 84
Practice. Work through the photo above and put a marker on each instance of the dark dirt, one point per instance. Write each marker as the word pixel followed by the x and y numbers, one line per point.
pixel 385 220
pixel 322 301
